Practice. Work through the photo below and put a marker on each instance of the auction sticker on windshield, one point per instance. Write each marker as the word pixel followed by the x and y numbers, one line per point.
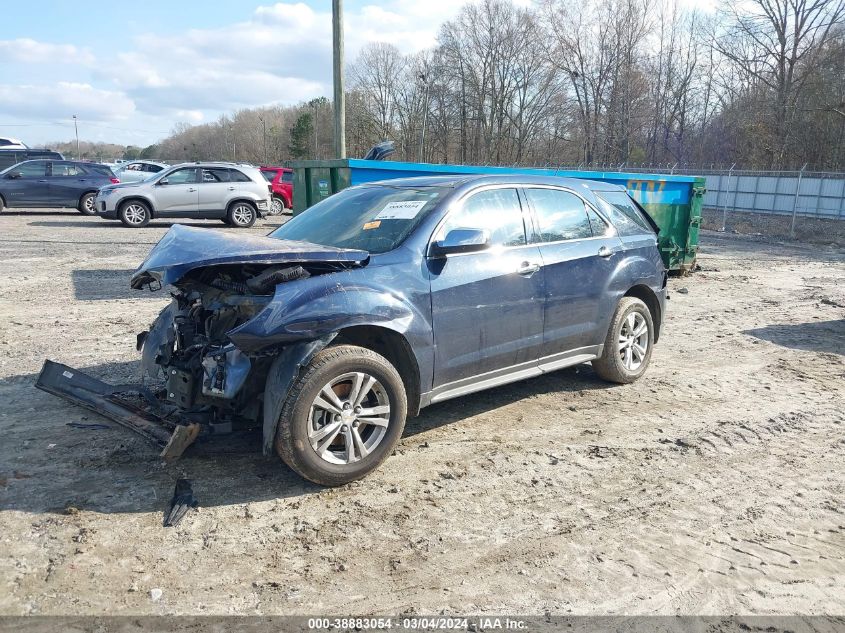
pixel 401 210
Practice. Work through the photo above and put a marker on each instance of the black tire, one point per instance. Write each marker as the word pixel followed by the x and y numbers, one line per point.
pixel 334 363
pixel 619 364
pixel 277 205
pixel 134 214
pixel 86 203
pixel 241 214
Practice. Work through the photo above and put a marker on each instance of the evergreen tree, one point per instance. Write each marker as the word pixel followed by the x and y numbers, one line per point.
pixel 300 136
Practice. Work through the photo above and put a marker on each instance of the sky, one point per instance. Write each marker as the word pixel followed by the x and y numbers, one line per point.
pixel 131 70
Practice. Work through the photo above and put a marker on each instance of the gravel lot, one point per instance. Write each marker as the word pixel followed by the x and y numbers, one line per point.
pixel 714 485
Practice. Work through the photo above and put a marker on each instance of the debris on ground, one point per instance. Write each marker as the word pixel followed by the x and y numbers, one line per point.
pixel 92 426
pixel 183 499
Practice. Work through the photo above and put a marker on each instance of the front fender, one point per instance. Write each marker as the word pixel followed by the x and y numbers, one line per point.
pixel 280 377
pixel 312 308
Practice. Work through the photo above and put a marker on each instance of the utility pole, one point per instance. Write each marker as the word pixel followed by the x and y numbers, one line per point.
pixel 76 130
pixel 339 100
pixel 264 124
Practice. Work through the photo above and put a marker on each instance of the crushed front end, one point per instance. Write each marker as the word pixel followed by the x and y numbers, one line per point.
pixel 194 380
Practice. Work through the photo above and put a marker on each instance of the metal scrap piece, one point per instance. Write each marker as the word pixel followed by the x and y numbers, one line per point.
pixel 183 499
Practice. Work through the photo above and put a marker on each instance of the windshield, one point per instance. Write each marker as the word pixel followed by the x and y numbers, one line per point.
pixel 376 218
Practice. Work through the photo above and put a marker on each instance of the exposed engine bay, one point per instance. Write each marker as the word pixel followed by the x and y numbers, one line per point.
pixel 205 376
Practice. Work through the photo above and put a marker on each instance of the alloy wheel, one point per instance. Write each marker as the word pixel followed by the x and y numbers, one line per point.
pixel 633 341
pixel 89 204
pixel 349 417
pixel 242 214
pixel 135 214
pixel 276 207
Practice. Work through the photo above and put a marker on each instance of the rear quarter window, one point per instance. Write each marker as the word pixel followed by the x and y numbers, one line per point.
pixel 238 176
pixel 624 214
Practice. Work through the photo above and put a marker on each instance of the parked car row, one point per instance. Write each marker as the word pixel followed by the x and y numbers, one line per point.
pixel 138 191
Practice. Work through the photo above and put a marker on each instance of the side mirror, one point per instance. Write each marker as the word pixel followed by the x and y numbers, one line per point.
pixel 461 241
pixel 163 181
pixel 15 175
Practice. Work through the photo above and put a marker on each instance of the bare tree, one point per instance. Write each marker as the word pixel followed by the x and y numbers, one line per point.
pixel 777 43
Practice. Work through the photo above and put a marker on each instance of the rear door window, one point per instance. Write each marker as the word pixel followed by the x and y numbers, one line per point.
pixel 624 213
pixel 497 211
pixel 67 169
pixel 215 175
pixel 561 215
pixel 287 176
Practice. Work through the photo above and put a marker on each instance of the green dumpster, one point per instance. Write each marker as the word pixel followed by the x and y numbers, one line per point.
pixel 673 201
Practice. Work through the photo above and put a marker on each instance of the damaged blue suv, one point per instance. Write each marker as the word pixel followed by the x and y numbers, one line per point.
pixel 378 301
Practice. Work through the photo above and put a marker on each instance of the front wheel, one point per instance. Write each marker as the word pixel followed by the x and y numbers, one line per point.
pixel 343 416
pixel 86 203
pixel 627 347
pixel 134 214
pixel 242 215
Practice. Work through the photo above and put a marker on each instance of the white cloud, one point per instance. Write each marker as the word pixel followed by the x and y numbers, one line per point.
pixel 63 99
pixel 33 52
pixel 282 53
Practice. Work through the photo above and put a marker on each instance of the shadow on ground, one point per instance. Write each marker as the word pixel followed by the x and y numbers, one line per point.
pixel 49 466
pixel 816 336
pixel 104 284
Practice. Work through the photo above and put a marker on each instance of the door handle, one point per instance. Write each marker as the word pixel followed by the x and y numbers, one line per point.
pixel 192 189
pixel 42 181
pixel 526 269
pixel 604 251
pixel 231 188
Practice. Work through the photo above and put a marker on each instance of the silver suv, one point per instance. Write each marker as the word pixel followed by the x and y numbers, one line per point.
pixel 236 194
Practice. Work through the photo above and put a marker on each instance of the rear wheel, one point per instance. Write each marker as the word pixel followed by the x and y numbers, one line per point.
pixel 627 347
pixel 86 203
pixel 134 214
pixel 343 416
pixel 242 215
pixel 277 206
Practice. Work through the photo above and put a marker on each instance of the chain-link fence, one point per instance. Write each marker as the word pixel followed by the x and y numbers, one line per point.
pixel 805 205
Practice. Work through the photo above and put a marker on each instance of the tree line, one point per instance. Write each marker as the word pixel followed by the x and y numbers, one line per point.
pixel 759 83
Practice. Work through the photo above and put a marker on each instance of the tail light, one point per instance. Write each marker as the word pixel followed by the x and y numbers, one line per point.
pixel 114 180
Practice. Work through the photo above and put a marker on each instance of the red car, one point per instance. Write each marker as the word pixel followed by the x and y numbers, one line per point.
pixel 281 184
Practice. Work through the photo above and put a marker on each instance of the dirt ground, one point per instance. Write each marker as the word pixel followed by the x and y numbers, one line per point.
pixel 714 485
pixel 810 230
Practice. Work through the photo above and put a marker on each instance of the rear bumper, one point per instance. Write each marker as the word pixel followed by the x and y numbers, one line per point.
pixel 131 406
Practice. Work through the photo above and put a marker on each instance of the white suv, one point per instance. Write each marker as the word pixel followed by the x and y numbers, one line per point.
pixel 236 194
